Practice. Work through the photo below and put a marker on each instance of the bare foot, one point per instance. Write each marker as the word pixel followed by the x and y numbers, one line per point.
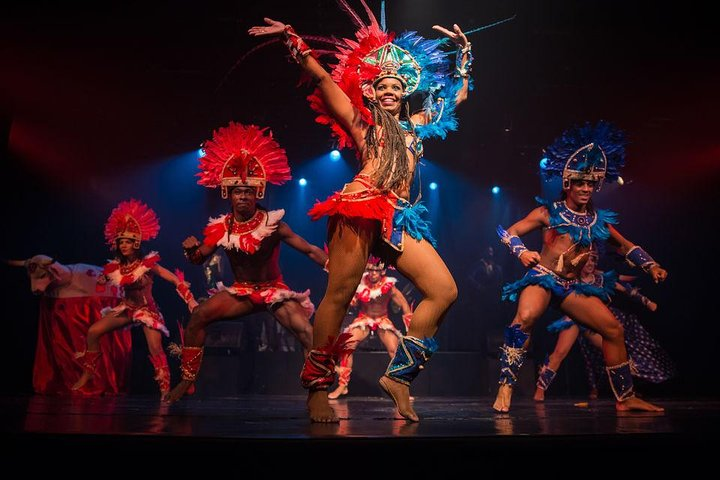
pixel 182 388
pixel 400 394
pixel 539 395
pixel 635 403
pixel 340 390
pixel 84 378
pixel 319 409
pixel 502 401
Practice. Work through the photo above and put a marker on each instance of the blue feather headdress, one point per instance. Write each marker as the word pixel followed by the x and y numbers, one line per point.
pixel 594 153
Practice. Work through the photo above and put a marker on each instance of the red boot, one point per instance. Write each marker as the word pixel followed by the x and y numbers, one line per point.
pixel 88 361
pixel 162 372
pixel 191 360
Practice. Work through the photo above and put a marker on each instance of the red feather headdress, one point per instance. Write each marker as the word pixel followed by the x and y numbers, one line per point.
pixel 243 155
pixel 131 219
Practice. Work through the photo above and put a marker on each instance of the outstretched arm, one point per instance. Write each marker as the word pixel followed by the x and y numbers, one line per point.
pixel 464 60
pixel 535 220
pixel 182 288
pixel 165 274
pixel 338 103
pixel 302 245
pixel 463 65
pixel 636 256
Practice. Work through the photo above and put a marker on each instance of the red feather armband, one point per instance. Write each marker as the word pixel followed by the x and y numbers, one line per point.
pixel 297 46
pixel 183 289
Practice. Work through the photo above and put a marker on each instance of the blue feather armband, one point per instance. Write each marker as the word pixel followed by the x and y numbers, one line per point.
pixel 637 257
pixel 513 242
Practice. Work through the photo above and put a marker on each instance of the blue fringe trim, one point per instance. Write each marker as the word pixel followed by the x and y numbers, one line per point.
pixel 444 121
pixel 589 290
pixel 511 291
pixel 604 292
pixel 410 219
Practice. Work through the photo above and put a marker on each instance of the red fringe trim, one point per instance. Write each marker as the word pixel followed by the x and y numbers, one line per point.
pixel 375 208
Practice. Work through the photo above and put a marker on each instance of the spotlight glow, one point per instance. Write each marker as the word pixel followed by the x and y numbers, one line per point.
pixel 335 155
pixel 433 186
pixel 544 163
pixel 302 182
pixel 200 152
pixel 495 190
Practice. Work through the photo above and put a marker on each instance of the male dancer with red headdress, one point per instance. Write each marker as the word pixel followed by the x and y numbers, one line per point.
pixel 241 160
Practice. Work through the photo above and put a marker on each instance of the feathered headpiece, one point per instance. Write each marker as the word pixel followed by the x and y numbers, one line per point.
pixel 595 153
pixel 243 155
pixel 419 64
pixel 375 263
pixel 133 220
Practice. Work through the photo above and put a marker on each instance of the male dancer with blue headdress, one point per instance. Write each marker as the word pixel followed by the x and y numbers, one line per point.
pixel 584 157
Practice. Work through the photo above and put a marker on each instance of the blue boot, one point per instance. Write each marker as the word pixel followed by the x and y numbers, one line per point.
pixel 512 354
pixel 411 355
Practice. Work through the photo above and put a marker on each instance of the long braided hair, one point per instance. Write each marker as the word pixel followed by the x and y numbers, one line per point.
pixel 394 169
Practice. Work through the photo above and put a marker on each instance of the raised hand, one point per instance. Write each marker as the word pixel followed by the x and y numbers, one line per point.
pixel 456 35
pixel 273 27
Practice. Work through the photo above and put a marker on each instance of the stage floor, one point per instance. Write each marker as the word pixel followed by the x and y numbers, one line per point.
pixel 457 423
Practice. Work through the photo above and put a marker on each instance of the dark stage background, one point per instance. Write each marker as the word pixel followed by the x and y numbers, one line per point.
pixel 103 103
